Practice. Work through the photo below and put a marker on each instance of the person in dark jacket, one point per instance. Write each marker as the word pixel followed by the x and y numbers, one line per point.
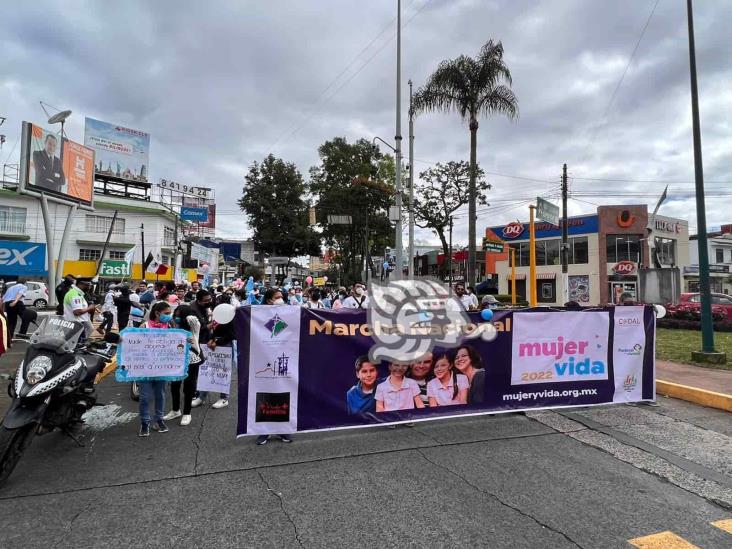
pixel 200 308
pixel 61 291
pixel 124 305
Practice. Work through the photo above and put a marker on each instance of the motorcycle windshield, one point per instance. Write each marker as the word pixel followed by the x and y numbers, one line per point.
pixel 58 334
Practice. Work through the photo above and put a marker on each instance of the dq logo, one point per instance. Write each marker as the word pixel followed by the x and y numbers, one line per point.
pixel 624 268
pixel 625 219
pixel 513 230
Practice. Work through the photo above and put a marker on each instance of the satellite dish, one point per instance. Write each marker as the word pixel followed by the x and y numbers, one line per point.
pixel 59 117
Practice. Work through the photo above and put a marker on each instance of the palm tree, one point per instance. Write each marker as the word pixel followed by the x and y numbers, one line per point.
pixel 471 86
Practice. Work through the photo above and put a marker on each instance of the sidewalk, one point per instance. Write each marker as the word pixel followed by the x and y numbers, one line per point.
pixel 704 386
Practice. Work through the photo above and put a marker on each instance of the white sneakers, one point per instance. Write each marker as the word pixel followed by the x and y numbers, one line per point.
pixel 196 402
pixel 185 420
pixel 171 415
pixel 221 403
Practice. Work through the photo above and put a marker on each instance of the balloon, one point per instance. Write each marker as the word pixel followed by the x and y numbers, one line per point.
pixel 489 332
pixel 325 279
pixel 486 314
pixel 309 280
pixel 660 311
pixel 224 313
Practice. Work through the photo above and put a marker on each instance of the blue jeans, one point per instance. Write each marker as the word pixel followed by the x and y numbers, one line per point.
pixel 148 391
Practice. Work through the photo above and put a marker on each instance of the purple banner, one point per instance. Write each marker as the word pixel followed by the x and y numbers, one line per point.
pixel 303 370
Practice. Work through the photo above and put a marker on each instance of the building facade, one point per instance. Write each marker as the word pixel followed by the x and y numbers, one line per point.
pixel 720 262
pixel 606 251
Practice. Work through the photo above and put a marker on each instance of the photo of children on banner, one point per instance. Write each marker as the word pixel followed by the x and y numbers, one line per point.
pixel 443 378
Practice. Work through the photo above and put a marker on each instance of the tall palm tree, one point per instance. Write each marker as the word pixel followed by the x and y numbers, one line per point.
pixel 471 86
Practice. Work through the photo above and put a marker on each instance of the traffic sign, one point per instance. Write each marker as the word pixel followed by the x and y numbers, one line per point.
pixel 546 211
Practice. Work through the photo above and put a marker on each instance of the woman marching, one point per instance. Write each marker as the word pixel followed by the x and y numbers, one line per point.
pixel 186 319
pixel 154 389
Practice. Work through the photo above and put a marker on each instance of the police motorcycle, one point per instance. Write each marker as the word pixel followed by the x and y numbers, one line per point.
pixel 52 388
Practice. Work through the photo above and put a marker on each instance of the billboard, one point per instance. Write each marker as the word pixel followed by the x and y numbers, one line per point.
pixel 56 165
pixel 22 258
pixel 190 213
pixel 120 152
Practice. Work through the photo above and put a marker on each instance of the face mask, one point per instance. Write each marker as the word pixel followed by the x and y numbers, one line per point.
pixel 279 301
pixel 342 296
pixel 166 318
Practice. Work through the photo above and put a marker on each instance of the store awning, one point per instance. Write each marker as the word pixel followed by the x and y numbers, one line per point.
pixel 546 276
pixel 518 276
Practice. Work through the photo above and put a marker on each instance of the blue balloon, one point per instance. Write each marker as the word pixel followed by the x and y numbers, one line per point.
pixel 486 314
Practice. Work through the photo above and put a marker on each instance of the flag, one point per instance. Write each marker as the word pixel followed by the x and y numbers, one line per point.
pixel 129 257
pixel 154 266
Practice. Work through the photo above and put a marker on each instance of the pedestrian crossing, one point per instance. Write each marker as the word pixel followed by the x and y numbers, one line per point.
pixel 670 540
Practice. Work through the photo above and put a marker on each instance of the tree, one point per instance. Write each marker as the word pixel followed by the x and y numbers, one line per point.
pixel 273 200
pixel 443 191
pixel 470 86
pixel 353 179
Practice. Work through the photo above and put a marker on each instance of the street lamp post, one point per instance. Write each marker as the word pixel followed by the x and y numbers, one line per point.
pixel 707 353
pixel 398 140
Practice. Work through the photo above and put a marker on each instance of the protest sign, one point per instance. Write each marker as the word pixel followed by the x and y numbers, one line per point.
pixel 298 370
pixel 147 353
pixel 214 374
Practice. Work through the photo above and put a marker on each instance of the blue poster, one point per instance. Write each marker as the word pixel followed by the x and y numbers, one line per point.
pixel 22 258
pixel 189 213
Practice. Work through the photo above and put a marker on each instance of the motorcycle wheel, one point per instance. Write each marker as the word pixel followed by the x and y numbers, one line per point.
pixel 13 442
pixel 135 391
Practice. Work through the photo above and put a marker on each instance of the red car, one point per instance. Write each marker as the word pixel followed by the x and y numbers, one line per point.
pixel 691 302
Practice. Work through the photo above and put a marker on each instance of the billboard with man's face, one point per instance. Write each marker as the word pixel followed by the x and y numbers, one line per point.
pixel 56 166
pixel 120 152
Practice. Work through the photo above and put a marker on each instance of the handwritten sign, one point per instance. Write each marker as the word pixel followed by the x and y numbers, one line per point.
pixel 215 374
pixel 147 353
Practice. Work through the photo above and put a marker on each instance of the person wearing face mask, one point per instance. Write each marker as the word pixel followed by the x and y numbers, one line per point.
pixel 297 298
pixel 340 298
pixel 202 309
pixel 185 318
pixel 273 296
pixel 314 301
pixel 359 299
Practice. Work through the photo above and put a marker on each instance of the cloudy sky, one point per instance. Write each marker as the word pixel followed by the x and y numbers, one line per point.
pixel 220 84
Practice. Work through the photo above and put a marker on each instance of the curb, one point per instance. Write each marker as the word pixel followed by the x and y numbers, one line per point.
pixel 702 397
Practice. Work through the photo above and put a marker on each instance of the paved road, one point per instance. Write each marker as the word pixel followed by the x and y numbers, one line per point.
pixel 594 477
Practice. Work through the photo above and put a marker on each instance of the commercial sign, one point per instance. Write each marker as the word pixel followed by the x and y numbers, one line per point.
pixel 199 192
pixel 513 230
pixel 22 258
pixel 190 213
pixel 494 246
pixel 586 224
pixel 546 211
pixel 668 226
pixel 120 152
pixel 625 268
pixel 114 268
pixel 55 165
pixel 539 359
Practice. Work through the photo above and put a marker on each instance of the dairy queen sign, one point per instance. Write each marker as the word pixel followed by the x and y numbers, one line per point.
pixel 513 230
pixel 625 268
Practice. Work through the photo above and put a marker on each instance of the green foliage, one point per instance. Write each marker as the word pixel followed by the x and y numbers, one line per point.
pixel 273 200
pixel 353 179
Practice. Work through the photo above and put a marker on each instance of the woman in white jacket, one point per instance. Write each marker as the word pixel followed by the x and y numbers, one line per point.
pixel 184 318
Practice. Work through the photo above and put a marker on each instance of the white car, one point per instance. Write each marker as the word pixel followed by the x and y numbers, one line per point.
pixel 37 294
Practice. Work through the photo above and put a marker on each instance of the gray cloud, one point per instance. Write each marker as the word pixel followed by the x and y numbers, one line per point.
pixel 221 84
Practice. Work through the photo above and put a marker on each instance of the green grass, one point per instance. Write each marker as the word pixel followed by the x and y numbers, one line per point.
pixel 676 346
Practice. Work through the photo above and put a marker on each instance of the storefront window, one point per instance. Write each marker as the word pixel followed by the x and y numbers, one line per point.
pixel 546 291
pixel 522 253
pixel 666 251
pixel 624 247
pixel 579 252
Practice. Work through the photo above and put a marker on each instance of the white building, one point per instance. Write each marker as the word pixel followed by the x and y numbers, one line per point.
pixel 719 246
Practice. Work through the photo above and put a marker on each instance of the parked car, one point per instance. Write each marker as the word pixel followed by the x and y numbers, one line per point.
pixel 37 294
pixel 691 302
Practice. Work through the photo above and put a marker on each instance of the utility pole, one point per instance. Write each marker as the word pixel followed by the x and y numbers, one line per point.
pixel 532 257
pixel 707 353
pixel 411 183
pixel 104 248
pixel 142 264
pixel 398 139
pixel 565 240
pixel 449 263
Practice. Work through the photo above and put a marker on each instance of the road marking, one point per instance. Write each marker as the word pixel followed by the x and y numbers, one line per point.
pixel 724 524
pixel 662 540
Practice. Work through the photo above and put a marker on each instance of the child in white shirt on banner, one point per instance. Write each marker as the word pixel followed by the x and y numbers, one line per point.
pixel 448 387
pixel 397 392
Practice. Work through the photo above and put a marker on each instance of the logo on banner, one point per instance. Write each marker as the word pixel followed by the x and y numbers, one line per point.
pixel 280 368
pixel 635 350
pixel 273 407
pixel 630 383
pixel 513 229
pixel 275 325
